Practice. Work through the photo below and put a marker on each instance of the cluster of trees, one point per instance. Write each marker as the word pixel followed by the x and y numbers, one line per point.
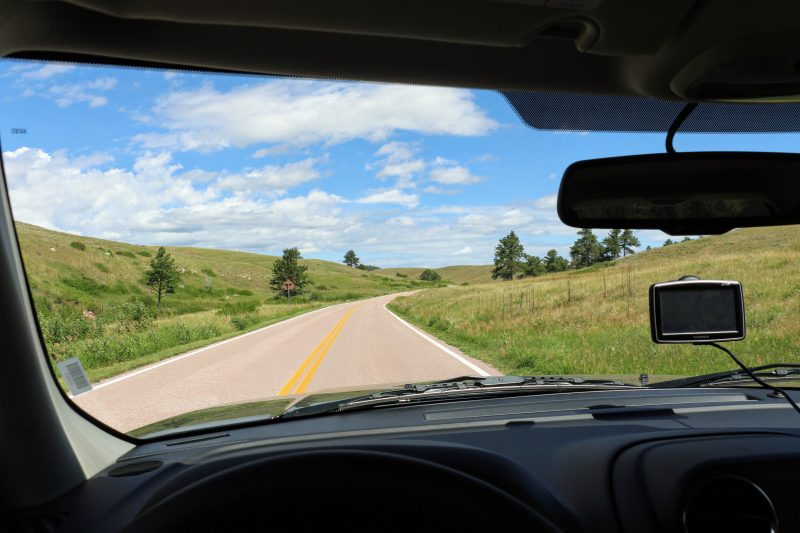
pixel 588 250
pixel 352 260
pixel 511 260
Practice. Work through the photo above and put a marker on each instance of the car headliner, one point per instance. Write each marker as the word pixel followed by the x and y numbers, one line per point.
pixel 612 47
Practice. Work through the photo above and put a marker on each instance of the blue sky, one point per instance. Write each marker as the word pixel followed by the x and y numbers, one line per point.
pixel 405 175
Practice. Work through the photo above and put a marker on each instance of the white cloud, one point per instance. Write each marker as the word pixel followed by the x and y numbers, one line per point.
pixel 404 221
pixel 78 195
pixel 546 202
pixel 45 71
pixel 433 189
pixel 67 94
pixel 277 178
pixel 404 169
pixel 397 160
pixel 310 112
pixel 450 173
pixel 392 196
pixel 155 200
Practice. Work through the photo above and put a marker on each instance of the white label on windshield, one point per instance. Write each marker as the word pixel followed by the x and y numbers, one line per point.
pixel 72 371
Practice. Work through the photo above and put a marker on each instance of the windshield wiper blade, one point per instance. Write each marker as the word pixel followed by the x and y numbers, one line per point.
pixel 462 386
pixel 775 370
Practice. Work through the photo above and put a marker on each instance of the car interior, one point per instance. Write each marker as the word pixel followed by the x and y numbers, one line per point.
pixel 601 459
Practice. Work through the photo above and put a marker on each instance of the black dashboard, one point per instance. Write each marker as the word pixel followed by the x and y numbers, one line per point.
pixel 640 460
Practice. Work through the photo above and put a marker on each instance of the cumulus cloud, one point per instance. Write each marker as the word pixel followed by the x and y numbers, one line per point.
pixel 547 202
pixel 398 160
pixel 451 173
pixel 275 178
pixel 433 189
pixel 43 72
pixel 90 91
pixel 392 196
pixel 302 113
pixel 155 200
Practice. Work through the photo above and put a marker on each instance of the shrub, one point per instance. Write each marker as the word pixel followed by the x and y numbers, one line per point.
pixel 84 284
pixel 144 253
pixel 243 322
pixel 132 316
pixel 400 275
pixel 238 292
pixel 429 275
pixel 115 348
pixel 236 308
pixel 66 323
pixel 126 254
pixel 102 268
pixel 78 245
pixel 208 272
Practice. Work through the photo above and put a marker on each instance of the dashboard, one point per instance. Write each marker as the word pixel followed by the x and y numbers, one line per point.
pixel 641 460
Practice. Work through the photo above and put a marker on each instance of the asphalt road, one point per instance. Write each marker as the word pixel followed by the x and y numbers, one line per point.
pixel 346 345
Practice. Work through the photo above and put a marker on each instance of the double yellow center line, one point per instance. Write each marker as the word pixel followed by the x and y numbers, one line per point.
pixel 313 361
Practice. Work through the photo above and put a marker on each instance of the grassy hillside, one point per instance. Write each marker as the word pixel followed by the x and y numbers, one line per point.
pixel 222 293
pixel 98 272
pixel 595 321
pixel 454 274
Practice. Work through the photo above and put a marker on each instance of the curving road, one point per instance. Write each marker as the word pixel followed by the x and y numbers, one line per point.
pixel 346 345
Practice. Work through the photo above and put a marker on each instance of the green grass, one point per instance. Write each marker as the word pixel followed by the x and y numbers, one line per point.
pixel 124 351
pixel 84 294
pixel 596 321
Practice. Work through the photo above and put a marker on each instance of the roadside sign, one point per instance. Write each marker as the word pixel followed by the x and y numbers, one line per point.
pixel 288 285
pixel 72 372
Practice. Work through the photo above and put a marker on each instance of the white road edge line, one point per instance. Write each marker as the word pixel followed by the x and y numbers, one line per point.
pixel 481 372
pixel 203 349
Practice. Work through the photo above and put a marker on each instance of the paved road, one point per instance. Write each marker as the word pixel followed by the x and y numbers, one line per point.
pixel 346 345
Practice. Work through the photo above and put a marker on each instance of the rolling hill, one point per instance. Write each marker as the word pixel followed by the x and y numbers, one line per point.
pixel 96 272
pixel 455 274
pixel 595 320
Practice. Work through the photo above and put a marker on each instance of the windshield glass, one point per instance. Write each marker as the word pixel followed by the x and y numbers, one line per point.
pixel 225 244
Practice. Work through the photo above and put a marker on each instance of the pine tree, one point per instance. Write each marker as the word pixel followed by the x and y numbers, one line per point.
pixel 508 257
pixel 628 241
pixel 534 265
pixel 162 277
pixel 288 267
pixel 612 245
pixel 586 250
pixel 351 259
pixel 554 262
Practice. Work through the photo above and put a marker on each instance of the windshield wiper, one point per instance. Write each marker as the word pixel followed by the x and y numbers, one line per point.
pixel 456 388
pixel 771 371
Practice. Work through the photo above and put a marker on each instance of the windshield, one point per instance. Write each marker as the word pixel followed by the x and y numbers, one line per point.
pixel 227 244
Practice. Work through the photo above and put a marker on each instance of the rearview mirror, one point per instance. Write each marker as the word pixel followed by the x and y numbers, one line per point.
pixel 692 193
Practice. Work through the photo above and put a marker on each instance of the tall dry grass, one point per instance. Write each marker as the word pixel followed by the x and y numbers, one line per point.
pixel 596 321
